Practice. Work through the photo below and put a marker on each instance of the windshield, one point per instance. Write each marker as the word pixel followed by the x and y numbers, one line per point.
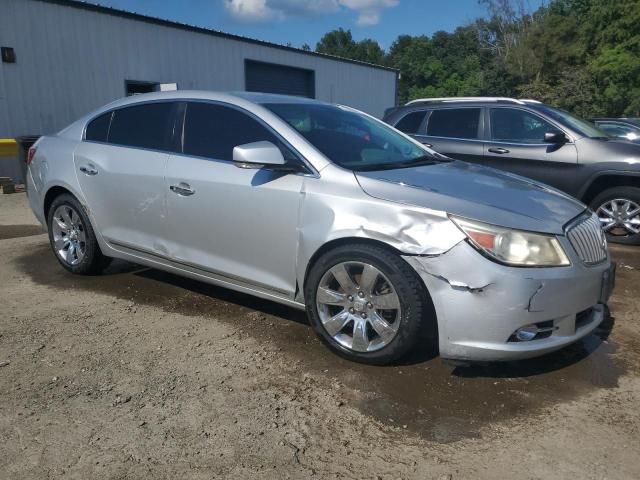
pixel 351 139
pixel 584 128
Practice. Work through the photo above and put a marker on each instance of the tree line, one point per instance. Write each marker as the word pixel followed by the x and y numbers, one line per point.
pixel 579 55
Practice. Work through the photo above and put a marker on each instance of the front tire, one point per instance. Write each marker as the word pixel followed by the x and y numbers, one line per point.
pixel 72 238
pixel 619 211
pixel 368 305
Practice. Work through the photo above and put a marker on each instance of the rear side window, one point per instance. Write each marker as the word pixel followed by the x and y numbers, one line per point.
pixel 518 126
pixel 454 123
pixel 212 131
pixel 98 128
pixel 411 122
pixel 148 125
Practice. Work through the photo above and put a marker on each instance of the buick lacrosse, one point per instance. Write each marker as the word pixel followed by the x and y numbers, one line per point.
pixel 388 245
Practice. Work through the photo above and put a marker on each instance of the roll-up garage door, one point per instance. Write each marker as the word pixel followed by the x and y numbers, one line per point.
pixel 273 78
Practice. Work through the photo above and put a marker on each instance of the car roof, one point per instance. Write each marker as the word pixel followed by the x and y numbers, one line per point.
pixel 228 97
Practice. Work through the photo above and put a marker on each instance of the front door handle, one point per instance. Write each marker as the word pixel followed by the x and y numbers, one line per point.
pixel 88 170
pixel 427 144
pixel 182 189
pixel 500 151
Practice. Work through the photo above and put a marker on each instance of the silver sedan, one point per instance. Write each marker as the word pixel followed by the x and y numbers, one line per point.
pixel 388 245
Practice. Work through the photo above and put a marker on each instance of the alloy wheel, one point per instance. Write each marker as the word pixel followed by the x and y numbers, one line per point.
pixel 69 236
pixel 358 306
pixel 620 217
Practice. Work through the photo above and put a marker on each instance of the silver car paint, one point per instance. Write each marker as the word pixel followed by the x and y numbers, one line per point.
pixel 267 254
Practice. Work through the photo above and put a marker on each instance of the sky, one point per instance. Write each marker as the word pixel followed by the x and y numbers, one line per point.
pixel 305 21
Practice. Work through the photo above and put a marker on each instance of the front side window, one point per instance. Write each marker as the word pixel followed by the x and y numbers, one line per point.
pixel 518 126
pixel 212 131
pixel 584 128
pixel 98 128
pixel 411 122
pixel 455 123
pixel 351 139
pixel 148 125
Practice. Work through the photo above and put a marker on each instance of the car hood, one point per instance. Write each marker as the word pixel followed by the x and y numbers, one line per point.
pixel 611 150
pixel 476 193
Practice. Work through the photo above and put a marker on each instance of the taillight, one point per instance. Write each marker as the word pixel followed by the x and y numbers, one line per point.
pixel 30 154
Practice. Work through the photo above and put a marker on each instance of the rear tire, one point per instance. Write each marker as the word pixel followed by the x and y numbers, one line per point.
pixel 347 312
pixel 620 205
pixel 72 238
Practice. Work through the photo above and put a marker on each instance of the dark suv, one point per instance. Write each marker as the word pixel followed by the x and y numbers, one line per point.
pixel 536 141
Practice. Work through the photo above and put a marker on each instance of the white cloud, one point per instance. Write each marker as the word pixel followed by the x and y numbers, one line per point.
pixel 251 10
pixel 369 10
pixel 268 10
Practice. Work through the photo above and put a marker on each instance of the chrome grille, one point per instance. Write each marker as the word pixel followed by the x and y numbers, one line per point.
pixel 588 239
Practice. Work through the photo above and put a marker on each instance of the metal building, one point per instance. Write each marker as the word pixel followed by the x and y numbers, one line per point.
pixel 64 58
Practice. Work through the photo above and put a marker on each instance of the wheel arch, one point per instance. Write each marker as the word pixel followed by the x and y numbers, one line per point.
pixel 607 180
pixel 52 193
pixel 339 242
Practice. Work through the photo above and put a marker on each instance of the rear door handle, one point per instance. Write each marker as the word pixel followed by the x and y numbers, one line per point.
pixel 427 144
pixel 500 150
pixel 88 170
pixel 182 189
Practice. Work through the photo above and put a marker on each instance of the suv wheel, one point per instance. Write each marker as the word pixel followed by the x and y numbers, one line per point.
pixel 619 212
pixel 72 239
pixel 368 305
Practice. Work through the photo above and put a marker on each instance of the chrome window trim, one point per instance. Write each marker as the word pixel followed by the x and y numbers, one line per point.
pixel 477 140
pixel 313 172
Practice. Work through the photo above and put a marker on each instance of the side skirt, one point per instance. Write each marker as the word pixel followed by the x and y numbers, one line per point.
pixel 153 260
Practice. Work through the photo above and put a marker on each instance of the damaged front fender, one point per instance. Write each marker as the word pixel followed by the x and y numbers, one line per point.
pixel 339 209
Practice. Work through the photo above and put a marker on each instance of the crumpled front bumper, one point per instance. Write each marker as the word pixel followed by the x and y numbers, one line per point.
pixel 480 304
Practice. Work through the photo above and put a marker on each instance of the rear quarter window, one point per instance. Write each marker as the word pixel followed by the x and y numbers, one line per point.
pixel 411 122
pixel 98 128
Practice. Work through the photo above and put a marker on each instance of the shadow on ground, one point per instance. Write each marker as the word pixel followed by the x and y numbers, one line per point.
pixel 424 394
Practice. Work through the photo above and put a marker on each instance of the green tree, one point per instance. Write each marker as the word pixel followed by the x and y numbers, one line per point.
pixel 340 43
pixel 580 55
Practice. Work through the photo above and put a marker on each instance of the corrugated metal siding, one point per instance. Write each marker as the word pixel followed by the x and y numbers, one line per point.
pixel 71 61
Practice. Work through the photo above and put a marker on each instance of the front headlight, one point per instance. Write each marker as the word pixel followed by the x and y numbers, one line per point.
pixel 514 247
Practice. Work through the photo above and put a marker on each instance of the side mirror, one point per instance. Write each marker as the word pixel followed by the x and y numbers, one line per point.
pixel 258 155
pixel 555 137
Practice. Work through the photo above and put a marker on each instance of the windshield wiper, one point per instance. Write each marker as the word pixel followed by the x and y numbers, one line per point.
pixel 414 162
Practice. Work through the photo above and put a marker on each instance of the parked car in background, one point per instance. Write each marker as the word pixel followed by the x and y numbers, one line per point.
pixel 536 141
pixel 388 245
pixel 625 128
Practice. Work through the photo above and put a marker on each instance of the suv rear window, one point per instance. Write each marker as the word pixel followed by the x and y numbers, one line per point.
pixel 454 123
pixel 411 122
pixel 144 126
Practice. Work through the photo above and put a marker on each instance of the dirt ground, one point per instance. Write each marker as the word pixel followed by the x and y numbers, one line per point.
pixel 140 374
